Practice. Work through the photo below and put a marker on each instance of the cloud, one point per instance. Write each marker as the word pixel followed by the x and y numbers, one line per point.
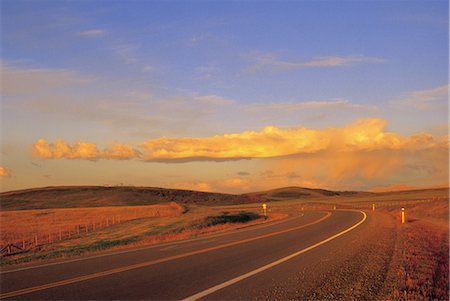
pixel 91 32
pixel 32 80
pixel 82 150
pixel 433 98
pixel 192 185
pixel 393 187
pixel 272 63
pixel 134 113
pixel 363 135
pixel 243 173
pixel 5 172
pixel 307 105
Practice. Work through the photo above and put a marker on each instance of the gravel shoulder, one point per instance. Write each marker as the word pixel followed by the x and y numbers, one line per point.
pixel 356 266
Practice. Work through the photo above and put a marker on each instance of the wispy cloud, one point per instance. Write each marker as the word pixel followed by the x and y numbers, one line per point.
pixel 271 62
pixel 31 80
pixel 127 53
pixel 91 32
pixel 434 98
pixel 306 105
pixel 5 172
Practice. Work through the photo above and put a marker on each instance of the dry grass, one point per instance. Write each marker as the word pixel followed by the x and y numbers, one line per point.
pixel 423 272
pixel 422 253
pixel 26 224
pixel 138 232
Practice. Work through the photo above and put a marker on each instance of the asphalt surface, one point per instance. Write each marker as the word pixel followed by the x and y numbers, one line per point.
pixel 240 265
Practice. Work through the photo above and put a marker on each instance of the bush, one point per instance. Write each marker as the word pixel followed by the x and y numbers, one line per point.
pixel 241 217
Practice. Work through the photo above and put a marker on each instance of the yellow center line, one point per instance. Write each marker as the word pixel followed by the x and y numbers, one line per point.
pixel 149 263
pixel 270 265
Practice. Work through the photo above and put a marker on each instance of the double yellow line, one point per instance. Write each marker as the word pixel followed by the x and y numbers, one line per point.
pixel 149 263
pixel 270 265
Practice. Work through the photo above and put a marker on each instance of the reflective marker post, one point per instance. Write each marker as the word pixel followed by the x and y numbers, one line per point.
pixel 403 215
pixel 264 205
pixel 373 207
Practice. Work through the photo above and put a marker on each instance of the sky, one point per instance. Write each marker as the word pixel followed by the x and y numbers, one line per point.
pixel 225 96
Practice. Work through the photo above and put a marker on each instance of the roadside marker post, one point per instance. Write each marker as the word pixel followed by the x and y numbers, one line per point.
pixel 264 206
pixel 373 207
pixel 403 215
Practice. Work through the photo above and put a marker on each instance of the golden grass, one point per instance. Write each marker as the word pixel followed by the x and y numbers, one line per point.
pixel 145 230
pixel 423 267
pixel 26 224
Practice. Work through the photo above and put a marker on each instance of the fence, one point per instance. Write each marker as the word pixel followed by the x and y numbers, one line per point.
pixel 32 229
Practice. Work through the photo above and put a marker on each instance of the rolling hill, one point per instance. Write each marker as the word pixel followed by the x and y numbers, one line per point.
pixel 97 196
pixel 294 192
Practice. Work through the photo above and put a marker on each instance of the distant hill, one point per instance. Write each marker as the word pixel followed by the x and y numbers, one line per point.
pixel 97 196
pixel 302 193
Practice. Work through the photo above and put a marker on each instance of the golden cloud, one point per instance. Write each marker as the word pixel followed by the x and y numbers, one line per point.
pixel 5 172
pixel 192 185
pixel 363 135
pixel 82 150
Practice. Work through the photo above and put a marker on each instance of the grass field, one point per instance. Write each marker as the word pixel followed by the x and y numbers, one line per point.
pixel 422 252
pixel 138 226
pixel 55 224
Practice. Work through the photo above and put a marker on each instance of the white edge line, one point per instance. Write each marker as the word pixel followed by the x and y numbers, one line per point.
pixel 270 265
pixel 257 226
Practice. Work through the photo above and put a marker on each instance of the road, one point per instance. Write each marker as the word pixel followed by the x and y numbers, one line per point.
pixel 250 263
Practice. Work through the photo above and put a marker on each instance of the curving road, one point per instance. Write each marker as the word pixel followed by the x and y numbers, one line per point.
pixel 246 264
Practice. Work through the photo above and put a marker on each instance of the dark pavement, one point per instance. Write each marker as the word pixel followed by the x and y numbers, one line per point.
pixel 182 269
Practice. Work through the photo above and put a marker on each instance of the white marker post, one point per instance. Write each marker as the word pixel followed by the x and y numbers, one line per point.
pixel 264 206
pixel 403 215
pixel 373 207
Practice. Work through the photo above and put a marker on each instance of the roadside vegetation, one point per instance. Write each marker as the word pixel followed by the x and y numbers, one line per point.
pixel 421 253
pixel 139 231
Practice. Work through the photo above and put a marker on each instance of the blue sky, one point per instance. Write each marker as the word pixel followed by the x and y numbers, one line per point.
pixel 135 71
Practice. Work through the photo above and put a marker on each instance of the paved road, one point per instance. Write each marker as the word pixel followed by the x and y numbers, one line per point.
pixel 245 264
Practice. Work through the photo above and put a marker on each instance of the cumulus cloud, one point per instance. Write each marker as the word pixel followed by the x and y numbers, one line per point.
pixel 82 150
pixel 192 185
pixel 228 185
pixel 362 135
pixel 5 172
